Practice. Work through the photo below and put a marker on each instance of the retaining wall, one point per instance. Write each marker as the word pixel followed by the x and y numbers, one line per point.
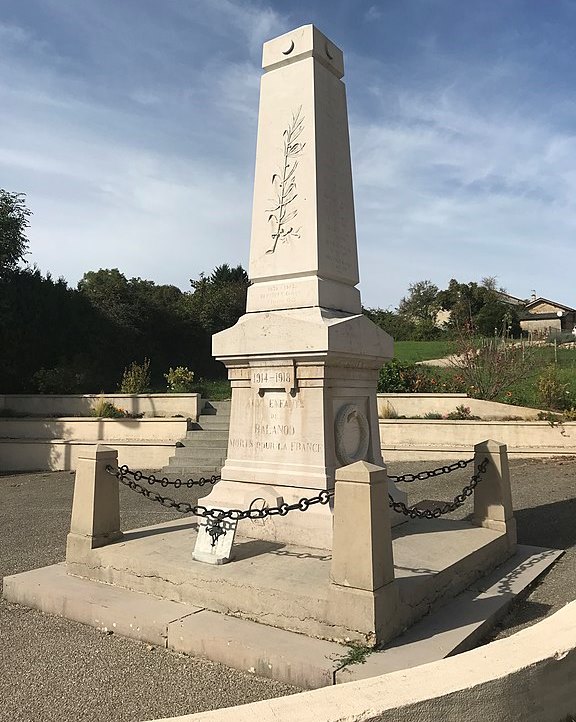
pixel 187 405
pixel 29 444
pixel 419 404
pixel 529 676
pixel 421 439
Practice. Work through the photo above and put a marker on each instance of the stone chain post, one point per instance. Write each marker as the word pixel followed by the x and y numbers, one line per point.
pixel 96 506
pixel 493 496
pixel 363 593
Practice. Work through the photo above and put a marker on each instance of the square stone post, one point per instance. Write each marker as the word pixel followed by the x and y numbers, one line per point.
pixel 363 592
pixel 493 496
pixel 96 506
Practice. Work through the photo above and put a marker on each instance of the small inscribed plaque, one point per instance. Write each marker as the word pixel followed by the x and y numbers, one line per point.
pixel 214 541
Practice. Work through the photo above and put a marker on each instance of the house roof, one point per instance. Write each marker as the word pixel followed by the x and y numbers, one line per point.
pixel 561 306
pixel 512 300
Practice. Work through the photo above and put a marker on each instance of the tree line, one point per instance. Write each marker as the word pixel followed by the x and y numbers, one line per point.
pixel 428 313
pixel 59 339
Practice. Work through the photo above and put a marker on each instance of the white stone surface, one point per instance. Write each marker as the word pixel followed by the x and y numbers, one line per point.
pixel 528 676
pixel 303 360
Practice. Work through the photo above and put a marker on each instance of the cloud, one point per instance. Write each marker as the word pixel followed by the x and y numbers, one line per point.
pixel 447 186
pixel 153 177
pixel 132 128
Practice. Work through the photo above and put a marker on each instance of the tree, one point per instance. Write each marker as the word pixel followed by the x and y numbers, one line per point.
pixel 421 303
pixel 13 223
pixel 479 308
pixel 399 327
pixel 225 274
pixel 218 300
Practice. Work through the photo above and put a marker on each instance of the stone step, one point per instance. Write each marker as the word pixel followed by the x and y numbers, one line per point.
pixel 189 472
pixel 196 434
pixel 460 624
pixel 269 652
pixel 203 443
pixel 194 462
pixel 282 655
pixel 216 408
pixel 208 452
pixel 213 422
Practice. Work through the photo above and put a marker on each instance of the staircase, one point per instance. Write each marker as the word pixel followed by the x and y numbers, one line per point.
pixel 202 452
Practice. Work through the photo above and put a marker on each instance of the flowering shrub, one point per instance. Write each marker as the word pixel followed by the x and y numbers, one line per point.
pixel 462 413
pixel 180 380
pixel 136 378
pixel 397 377
pixel 552 393
pixel 106 410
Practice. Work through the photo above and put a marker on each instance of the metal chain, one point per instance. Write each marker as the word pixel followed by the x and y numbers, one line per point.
pixel 220 514
pixel 414 513
pixel 164 481
pixel 422 475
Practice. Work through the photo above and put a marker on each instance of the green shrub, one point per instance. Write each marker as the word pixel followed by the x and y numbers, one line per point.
pixel 57 380
pixel 180 380
pixel 432 415
pixel 136 378
pixel 213 389
pixel 404 378
pixel 462 413
pixel 552 392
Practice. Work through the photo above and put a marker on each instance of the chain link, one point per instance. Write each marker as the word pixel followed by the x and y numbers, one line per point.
pixel 303 504
pixel 423 475
pixel 414 513
pixel 164 481
pixel 212 513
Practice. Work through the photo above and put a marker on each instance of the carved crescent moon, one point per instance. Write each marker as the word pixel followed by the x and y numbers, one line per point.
pixel 290 49
pixel 328 52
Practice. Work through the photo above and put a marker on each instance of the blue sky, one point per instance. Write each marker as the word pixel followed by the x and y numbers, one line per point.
pixel 131 127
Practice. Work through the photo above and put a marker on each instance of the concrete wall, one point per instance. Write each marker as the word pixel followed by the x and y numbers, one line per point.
pixel 187 405
pixel 94 429
pixel 529 676
pixel 546 325
pixel 418 404
pixel 59 455
pixel 28 444
pixel 407 439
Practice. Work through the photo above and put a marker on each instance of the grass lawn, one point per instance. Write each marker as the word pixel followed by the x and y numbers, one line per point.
pixel 412 351
pixel 523 392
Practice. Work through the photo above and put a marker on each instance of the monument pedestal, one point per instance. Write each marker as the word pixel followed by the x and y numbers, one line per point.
pixel 298 415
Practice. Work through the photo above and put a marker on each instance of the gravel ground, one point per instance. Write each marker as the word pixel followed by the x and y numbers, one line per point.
pixel 54 669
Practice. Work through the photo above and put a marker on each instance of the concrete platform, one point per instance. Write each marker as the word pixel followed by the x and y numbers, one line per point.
pixel 286 586
pixel 268 651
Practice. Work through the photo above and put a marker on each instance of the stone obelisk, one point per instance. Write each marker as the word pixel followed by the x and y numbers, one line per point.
pixel 303 361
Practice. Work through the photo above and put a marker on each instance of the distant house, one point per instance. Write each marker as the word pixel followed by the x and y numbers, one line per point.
pixel 544 317
pixel 510 300
pixel 443 315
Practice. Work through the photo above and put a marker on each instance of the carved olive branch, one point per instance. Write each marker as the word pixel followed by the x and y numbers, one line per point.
pixel 284 183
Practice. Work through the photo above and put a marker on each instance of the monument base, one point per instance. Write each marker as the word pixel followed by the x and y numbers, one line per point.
pixel 310 528
pixel 289 586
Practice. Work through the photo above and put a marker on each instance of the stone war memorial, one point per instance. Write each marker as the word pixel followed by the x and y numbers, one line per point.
pixel 304 544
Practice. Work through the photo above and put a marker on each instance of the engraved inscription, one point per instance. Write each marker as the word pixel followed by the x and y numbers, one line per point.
pixel 282 211
pixel 282 377
pixel 313 447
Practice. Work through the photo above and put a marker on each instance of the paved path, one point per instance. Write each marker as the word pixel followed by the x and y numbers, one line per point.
pixel 53 669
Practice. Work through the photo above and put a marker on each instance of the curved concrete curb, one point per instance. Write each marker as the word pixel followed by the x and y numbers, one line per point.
pixel 530 676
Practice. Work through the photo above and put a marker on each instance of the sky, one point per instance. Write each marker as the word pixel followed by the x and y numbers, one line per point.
pixel 130 125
